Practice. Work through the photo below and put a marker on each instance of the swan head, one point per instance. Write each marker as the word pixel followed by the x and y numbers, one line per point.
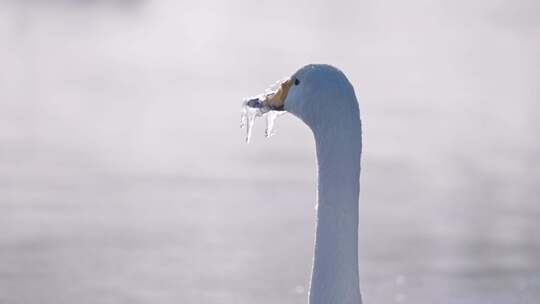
pixel 318 94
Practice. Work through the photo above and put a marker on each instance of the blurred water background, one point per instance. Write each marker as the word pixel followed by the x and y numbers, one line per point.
pixel 124 177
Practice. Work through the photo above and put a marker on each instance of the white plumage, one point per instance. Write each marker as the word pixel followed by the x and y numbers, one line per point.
pixel 322 97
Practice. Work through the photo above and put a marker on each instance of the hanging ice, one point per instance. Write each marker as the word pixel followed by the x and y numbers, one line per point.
pixel 256 107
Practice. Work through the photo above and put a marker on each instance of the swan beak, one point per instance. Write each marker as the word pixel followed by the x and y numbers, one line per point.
pixel 276 100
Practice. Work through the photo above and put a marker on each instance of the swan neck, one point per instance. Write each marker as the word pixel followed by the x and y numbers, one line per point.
pixel 335 276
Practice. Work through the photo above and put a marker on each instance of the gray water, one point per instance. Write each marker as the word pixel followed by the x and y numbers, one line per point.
pixel 124 177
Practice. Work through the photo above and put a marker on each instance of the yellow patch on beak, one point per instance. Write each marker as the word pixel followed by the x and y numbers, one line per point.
pixel 277 99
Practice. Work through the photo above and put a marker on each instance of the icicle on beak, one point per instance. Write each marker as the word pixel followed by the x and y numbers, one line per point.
pixel 272 99
pixel 265 104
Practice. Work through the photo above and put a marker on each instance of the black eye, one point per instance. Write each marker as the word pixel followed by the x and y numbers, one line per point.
pixel 296 81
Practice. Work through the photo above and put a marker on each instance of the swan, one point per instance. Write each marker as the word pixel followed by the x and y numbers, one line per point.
pixel 324 99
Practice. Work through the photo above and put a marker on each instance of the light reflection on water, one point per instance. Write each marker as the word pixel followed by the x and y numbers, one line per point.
pixel 125 177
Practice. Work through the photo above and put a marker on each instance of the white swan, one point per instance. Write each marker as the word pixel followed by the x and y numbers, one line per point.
pixel 322 97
